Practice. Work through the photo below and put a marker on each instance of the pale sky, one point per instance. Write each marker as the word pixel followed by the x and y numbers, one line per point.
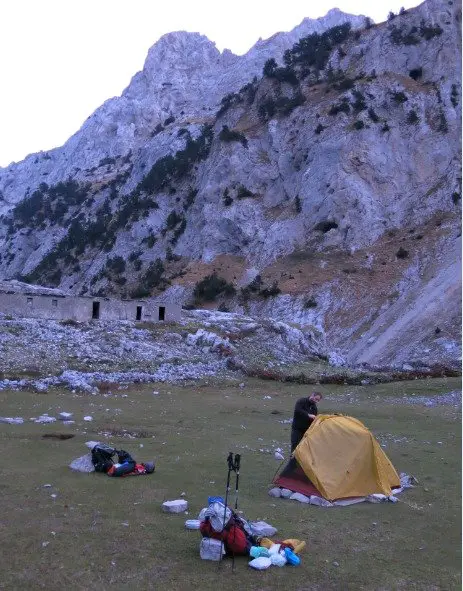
pixel 61 59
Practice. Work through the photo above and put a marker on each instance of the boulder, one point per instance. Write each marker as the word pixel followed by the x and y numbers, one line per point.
pixel 177 506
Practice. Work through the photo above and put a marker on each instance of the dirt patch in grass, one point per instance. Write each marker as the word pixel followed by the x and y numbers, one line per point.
pixel 59 436
pixel 99 533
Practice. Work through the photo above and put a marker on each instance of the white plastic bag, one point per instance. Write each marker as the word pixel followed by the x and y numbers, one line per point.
pixel 83 464
pixel 278 559
pixel 274 549
pixel 261 563
pixel 261 528
pixel 210 549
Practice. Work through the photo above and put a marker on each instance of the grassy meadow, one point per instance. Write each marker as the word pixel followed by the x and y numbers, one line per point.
pixel 98 533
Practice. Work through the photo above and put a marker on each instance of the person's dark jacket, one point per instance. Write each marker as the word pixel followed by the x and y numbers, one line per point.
pixel 301 422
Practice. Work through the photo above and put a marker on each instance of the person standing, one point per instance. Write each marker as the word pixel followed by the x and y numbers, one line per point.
pixel 305 412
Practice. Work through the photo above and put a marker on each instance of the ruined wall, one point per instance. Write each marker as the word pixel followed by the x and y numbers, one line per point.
pixel 58 307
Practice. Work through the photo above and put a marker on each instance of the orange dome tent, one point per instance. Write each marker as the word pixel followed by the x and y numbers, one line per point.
pixel 338 458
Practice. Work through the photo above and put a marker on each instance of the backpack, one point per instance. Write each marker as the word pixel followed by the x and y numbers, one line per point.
pixel 102 457
pixel 235 538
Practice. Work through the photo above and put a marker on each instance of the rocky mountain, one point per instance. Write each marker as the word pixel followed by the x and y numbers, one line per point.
pixel 314 180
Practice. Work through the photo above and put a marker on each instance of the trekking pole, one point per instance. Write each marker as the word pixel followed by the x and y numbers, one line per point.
pixel 230 468
pixel 236 468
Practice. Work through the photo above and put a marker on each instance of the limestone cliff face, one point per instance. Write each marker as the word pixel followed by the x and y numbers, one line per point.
pixel 336 182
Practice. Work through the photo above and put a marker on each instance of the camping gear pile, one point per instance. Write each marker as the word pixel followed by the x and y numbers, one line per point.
pixel 225 533
pixel 338 462
pixel 100 459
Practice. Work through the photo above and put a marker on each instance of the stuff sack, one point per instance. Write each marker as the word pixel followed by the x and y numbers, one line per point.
pixel 131 469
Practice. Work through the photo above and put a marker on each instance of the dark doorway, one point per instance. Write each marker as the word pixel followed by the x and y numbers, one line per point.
pixel 162 312
pixel 139 309
pixel 96 310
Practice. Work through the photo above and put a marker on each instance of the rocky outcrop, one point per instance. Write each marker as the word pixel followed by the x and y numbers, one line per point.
pixel 337 182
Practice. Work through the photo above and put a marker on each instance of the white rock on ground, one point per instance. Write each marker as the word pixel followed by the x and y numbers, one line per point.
pixel 300 497
pixel 177 506
pixel 275 492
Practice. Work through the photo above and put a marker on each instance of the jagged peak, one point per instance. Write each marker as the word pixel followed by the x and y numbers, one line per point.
pixel 177 49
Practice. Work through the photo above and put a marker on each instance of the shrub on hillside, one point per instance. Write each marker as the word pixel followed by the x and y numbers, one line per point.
pixel 227 200
pixel 268 292
pixel 399 97
pixel 359 103
pixel 228 135
pixel 416 73
pixel 454 95
pixel 412 118
pixel 443 127
pixel 342 107
pixel 116 265
pixel 310 303
pixel 373 116
pixel 326 226
pixel 243 193
pixel 228 101
pixel 151 278
pixel 211 286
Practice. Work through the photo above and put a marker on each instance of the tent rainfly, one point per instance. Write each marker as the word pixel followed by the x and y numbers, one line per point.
pixel 339 458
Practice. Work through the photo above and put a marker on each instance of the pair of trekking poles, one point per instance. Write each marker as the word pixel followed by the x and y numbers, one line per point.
pixel 233 463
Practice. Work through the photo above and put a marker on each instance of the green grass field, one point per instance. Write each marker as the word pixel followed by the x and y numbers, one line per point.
pixel 101 533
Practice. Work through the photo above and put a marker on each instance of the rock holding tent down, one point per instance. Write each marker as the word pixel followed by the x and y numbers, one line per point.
pixel 300 497
pixel 407 481
pixel 320 501
pixel 347 502
pixel 377 498
pixel 275 492
pixel 177 506
pixel 286 493
pixel 83 464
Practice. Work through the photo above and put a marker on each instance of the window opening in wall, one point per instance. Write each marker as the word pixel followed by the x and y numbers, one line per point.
pixel 54 303
pixel 162 312
pixel 29 301
pixel 139 309
pixel 96 310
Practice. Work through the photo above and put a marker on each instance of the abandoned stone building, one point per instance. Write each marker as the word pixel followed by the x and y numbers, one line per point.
pixel 29 301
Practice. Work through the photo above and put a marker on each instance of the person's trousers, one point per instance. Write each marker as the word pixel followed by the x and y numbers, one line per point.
pixel 296 437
